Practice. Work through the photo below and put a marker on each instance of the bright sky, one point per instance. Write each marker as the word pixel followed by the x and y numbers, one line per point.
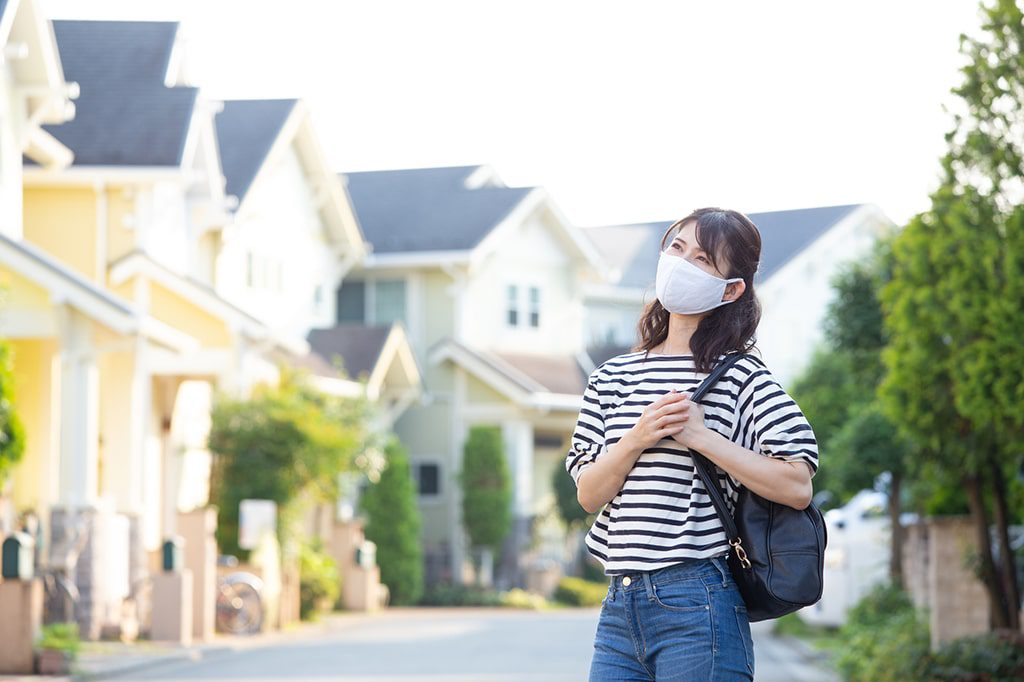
pixel 624 111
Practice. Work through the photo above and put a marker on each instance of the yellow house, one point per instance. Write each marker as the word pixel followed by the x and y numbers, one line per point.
pixel 136 284
pixel 116 395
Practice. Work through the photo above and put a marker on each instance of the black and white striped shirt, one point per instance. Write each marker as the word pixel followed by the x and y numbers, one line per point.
pixel 663 514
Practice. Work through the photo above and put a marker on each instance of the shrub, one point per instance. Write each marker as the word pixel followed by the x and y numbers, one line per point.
pixel 393 524
pixel 319 580
pixel 884 640
pixel 993 657
pixel 12 431
pixel 61 637
pixel 286 444
pixel 445 594
pixel 521 599
pixel 579 592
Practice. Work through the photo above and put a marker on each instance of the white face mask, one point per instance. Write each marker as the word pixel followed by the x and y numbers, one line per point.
pixel 684 288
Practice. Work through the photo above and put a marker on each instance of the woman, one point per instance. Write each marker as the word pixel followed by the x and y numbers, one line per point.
pixel 673 611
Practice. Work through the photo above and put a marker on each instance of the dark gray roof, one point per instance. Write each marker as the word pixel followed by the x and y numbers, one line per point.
pixel 784 234
pixel 357 345
pixel 246 130
pixel 427 209
pixel 125 114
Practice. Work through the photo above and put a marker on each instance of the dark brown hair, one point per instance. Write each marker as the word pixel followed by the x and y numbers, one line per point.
pixel 727 237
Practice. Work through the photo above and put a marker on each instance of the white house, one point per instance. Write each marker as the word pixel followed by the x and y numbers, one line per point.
pixel 802 250
pixel 488 280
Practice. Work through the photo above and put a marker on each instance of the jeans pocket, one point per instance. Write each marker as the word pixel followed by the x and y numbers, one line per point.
pixel 682 596
pixel 743 623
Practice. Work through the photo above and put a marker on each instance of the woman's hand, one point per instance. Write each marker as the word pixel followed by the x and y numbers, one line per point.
pixel 693 429
pixel 659 420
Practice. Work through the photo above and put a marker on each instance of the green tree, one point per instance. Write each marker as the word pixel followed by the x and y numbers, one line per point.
pixel 12 433
pixel 838 394
pixel 954 364
pixel 486 490
pixel 287 444
pixel 393 523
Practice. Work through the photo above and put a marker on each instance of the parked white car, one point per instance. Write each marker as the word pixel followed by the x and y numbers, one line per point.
pixel 856 558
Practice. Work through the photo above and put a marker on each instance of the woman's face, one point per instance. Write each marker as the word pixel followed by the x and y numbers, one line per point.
pixel 684 245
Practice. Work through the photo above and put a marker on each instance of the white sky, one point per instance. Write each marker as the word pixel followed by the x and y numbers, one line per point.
pixel 624 111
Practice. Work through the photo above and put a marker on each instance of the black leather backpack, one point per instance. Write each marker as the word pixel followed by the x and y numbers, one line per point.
pixel 778 552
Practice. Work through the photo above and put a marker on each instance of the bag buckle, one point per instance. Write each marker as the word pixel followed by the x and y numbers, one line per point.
pixel 740 553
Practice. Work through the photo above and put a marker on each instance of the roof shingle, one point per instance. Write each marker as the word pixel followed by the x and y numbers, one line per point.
pixel 428 209
pixel 358 345
pixel 125 115
pixel 246 130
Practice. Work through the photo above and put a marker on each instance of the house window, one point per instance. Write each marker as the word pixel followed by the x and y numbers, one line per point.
pixel 534 306
pixel 352 301
pixel 428 478
pixel 318 296
pixel 513 305
pixel 389 301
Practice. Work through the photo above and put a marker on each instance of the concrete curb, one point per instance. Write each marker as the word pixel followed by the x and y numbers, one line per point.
pixel 150 662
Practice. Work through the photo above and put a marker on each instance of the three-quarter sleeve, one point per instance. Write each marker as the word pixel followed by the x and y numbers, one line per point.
pixel 587 442
pixel 770 421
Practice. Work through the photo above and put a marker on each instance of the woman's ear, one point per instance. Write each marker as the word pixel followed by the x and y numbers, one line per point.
pixel 734 290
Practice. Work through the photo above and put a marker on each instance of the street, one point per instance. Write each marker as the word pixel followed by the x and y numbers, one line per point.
pixel 435 645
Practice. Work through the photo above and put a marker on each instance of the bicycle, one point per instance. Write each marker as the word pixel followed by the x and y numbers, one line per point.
pixel 239 606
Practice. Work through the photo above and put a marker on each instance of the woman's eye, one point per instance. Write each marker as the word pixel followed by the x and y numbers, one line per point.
pixel 703 259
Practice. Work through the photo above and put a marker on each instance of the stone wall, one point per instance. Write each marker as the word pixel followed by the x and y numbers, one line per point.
pixel 937 572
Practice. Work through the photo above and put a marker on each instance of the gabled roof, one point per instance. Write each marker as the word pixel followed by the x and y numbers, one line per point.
pixel 246 131
pixel 358 346
pixel 428 209
pixel 633 249
pixel 125 114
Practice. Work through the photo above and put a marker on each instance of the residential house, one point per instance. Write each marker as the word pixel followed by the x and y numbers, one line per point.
pixel 488 282
pixel 802 250
pixel 121 360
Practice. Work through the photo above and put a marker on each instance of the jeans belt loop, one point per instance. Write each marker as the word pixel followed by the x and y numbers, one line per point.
pixel 648 585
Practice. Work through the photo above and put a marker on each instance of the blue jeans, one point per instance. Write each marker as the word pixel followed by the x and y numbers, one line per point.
pixel 685 622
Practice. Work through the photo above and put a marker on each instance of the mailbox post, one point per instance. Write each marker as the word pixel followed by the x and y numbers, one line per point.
pixel 21 605
pixel 172 595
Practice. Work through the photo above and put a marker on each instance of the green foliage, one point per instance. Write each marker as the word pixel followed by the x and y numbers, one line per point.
pixel 319 580
pixel 287 444
pixel 521 599
pixel 486 488
pixel 579 592
pixel 475 595
pixel 827 392
pixel 986 149
pixel 567 504
pixel 992 657
pixel 853 324
pixel 866 445
pixel 12 432
pixel 393 523
pixel 884 639
pixel 444 594
pixel 61 637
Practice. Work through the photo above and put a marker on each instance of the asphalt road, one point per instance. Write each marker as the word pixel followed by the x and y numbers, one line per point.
pixel 449 645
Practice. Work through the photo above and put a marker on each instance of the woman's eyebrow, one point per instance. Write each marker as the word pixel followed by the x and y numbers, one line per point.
pixel 680 239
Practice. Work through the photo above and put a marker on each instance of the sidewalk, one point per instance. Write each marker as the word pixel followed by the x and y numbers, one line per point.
pixel 102 660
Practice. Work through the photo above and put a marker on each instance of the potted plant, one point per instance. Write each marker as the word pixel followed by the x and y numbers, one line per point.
pixel 58 646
